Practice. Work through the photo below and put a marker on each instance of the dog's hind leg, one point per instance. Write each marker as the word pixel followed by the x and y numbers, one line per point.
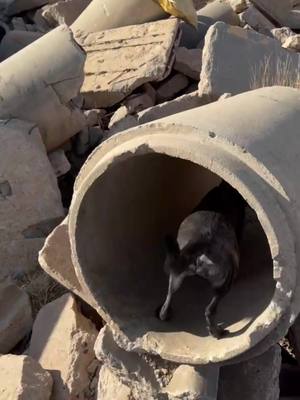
pixel 210 313
pixel 175 282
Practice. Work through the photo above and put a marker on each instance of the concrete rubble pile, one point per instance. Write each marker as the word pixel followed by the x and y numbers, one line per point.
pixel 79 78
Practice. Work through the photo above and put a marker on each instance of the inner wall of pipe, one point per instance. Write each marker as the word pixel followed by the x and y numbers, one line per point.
pixel 121 225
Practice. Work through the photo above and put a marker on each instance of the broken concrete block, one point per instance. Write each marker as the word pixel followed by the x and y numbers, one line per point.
pixel 15 316
pixel 292 43
pixel 63 12
pixel 101 15
pixel 59 162
pixel 55 259
pixel 144 54
pixel 139 371
pixel 238 5
pixel 282 34
pixel 171 86
pixel 285 13
pixel 255 379
pixel 111 387
pixel 41 93
pixel 22 378
pixel 182 103
pixel 62 342
pixel 15 41
pixel 13 7
pixel 259 60
pixel 30 201
pixel 193 383
pixel 254 18
pixel 118 116
pixel 188 62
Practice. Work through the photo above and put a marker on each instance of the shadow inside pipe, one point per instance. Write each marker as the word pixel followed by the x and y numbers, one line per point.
pixel 120 229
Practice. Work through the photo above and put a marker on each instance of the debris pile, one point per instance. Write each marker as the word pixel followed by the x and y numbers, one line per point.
pixel 74 73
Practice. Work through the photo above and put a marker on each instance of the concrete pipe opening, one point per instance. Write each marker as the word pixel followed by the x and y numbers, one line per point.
pixel 119 224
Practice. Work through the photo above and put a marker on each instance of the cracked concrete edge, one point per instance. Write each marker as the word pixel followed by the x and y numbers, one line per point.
pixel 31 89
pixel 55 259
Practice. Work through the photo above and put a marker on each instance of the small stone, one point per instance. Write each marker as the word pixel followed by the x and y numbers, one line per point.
pixel 282 34
pixel 187 383
pixel 138 102
pixel 62 342
pixel 238 5
pixel 59 162
pixel 292 43
pixel 172 86
pixel 15 316
pixel 94 116
pixel 22 378
pixel 188 62
pixel 225 96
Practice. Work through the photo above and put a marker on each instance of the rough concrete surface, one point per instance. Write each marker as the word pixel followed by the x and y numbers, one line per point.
pixel 171 87
pixel 55 259
pixel 188 62
pixel 255 379
pixel 286 13
pixel 15 316
pixel 138 372
pixel 41 93
pixel 14 41
pixel 30 202
pixel 62 342
pixel 111 387
pixel 143 54
pixel 292 43
pixel 188 384
pixel 259 60
pixel 13 7
pixel 22 378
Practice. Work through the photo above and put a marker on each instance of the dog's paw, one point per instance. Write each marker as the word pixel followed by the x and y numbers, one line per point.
pixel 218 332
pixel 163 317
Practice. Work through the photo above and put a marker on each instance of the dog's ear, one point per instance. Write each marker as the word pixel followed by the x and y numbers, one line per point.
pixel 172 247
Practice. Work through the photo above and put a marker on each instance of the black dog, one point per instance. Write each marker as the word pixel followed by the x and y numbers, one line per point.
pixel 207 245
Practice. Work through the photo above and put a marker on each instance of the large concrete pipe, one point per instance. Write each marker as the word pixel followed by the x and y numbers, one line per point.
pixel 140 184
pixel 103 14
